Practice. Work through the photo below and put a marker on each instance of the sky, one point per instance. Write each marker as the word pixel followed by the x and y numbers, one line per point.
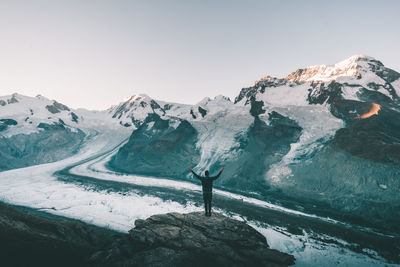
pixel 94 54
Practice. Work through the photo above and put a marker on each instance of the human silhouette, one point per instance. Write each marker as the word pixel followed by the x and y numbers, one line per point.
pixel 207 184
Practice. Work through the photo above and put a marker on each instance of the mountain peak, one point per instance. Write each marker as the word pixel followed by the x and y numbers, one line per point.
pixel 356 60
pixel 222 98
pixel 349 67
pixel 138 97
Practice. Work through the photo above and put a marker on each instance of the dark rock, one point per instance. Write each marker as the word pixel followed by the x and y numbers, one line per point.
pixel 9 121
pixel 54 126
pixel 260 87
pixel 74 117
pixel 4 123
pixel 56 107
pixel 322 92
pixel 192 113
pixel 35 240
pixel 3 103
pixel 202 111
pixel 277 119
pixel 191 239
pixel 386 74
pixel 348 110
pixel 256 107
pixel 52 109
pixel 12 100
pixel 246 93
pixel 3 126
pixel 155 106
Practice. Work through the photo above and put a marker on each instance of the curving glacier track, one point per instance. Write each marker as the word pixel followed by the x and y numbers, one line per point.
pixel 81 187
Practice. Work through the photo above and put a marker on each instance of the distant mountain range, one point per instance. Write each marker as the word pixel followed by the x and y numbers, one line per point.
pixel 322 136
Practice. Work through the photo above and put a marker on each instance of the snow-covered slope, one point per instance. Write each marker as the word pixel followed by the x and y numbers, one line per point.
pixel 27 113
pixel 35 130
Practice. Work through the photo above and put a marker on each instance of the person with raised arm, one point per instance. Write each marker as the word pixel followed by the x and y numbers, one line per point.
pixel 207 184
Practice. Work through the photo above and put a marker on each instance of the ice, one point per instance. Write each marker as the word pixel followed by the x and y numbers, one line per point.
pixel 309 251
pixel 37 187
pixel 319 126
pixel 217 141
pixel 282 96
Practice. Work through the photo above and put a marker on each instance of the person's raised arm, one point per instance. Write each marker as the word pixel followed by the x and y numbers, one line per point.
pixel 216 177
pixel 195 175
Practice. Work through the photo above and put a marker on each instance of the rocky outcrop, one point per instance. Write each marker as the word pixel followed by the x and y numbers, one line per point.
pixel 34 240
pixel 191 239
pixel 56 107
pixel 4 123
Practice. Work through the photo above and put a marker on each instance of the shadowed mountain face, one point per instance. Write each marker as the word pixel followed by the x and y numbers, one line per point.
pixel 159 147
pixel 376 138
pixel 53 142
pixel 264 145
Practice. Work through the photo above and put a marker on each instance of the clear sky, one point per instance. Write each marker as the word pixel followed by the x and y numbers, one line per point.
pixel 95 53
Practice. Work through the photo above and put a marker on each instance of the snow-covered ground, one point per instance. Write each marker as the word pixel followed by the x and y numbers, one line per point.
pixel 311 252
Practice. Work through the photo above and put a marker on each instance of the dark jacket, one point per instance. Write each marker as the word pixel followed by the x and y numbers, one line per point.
pixel 207 182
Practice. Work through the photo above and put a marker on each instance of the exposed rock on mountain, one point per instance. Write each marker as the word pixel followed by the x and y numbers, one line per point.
pixel 192 239
pixel 4 123
pixel 56 107
pixel 159 147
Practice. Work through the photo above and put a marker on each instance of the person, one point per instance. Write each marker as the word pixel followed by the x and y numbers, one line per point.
pixel 207 184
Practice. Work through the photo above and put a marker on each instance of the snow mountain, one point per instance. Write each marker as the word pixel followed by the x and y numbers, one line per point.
pixel 36 130
pixel 322 138
pixel 325 139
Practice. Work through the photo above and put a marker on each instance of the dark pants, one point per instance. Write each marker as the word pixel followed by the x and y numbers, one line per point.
pixel 207 197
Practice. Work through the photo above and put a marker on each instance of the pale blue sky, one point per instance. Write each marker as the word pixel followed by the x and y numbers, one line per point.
pixel 95 53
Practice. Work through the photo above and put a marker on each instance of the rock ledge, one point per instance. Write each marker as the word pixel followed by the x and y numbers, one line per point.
pixel 191 239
